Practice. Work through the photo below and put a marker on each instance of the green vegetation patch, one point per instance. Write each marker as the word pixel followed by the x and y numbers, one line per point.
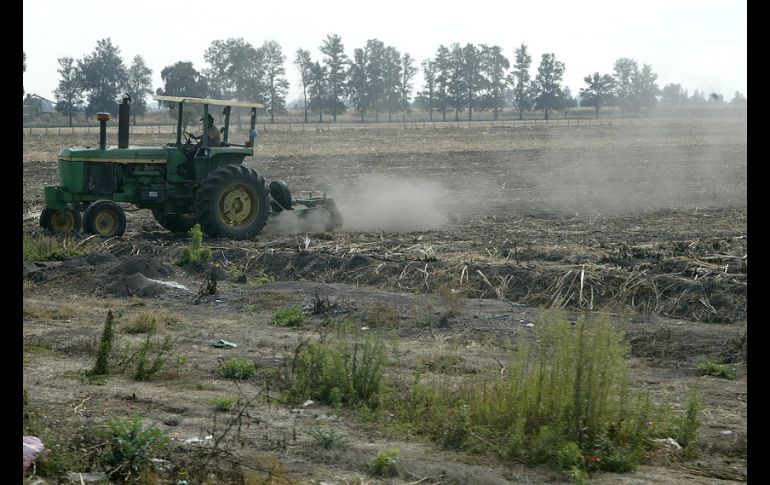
pixel 565 400
pixel 47 248
pixel 289 317
pixel 344 370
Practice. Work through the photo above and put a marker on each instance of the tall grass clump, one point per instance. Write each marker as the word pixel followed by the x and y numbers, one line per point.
pixel 343 369
pixel 566 400
pixel 46 248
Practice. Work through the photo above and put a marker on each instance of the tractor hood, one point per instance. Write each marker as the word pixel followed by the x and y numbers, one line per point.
pixel 132 154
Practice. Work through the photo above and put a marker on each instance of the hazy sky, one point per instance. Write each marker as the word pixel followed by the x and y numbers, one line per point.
pixel 700 44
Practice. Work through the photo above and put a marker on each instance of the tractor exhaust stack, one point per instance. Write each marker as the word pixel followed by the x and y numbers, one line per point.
pixel 103 119
pixel 124 117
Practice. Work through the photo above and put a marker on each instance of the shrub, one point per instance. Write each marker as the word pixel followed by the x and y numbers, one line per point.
pixel 329 439
pixel 224 403
pixel 289 317
pixel 566 396
pixel 709 368
pixel 347 370
pixel 196 251
pixel 149 360
pixel 384 465
pixel 129 445
pixel 102 365
pixel 145 322
pixel 237 368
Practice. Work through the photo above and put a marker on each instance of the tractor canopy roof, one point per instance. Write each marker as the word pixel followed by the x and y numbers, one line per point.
pixel 209 101
pixel 206 102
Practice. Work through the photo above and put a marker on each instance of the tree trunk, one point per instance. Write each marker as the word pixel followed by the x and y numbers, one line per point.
pixel 521 113
pixel 597 110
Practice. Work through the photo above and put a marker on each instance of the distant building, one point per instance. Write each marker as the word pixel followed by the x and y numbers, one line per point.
pixel 35 105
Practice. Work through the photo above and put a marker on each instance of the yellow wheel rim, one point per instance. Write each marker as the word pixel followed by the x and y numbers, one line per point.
pixel 105 222
pixel 238 205
pixel 63 220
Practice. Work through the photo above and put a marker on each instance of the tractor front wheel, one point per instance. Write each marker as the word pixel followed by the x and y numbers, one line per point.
pixel 232 202
pixel 60 220
pixel 105 218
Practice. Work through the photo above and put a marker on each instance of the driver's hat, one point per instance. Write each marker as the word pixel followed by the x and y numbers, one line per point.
pixel 211 118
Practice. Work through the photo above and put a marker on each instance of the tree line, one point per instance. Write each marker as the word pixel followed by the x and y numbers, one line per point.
pixel 378 80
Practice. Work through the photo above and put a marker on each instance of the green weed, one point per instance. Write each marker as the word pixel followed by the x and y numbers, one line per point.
pixel 196 251
pixel 224 403
pixel 289 317
pixel 129 445
pixel 347 370
pixel 709 368
pixel 46 248
pixel 385 464
pixel 329 439
pixel 238 368
pixel 565 400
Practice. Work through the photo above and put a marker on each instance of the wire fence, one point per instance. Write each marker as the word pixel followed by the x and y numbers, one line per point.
pixel 395 125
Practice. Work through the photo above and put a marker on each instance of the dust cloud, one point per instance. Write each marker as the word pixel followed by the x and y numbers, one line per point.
pixel 387 203
pixel 683 164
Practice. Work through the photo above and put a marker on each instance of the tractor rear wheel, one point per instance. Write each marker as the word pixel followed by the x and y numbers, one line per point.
pixel 175 222
pixel 60 220
pixel 281 194
pixel 232 201
pixel 105 218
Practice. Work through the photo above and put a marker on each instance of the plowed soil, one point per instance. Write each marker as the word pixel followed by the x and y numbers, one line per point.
pixel 646 222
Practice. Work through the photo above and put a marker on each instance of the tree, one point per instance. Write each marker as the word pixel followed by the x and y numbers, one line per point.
pixel 102 75
pixel 182 79
pixel 305 65
pixel 391 78
pixel 624 72
pixel 319 90
pixel 427 97
pixel 69 94
pixel 443 73
pixel 358 81
pixel 336 61
pixel 673 95
pixel 716 99
pixel 456 86
pixel 738 99
pixel 408 70
pixel 520 80
pixel 547 86
pixel 599 90
pixel 234 70
pixel 493 67
pixel 646 90
pixel 474 80
pixel 567 100
pixel 276 83
pixel 139 85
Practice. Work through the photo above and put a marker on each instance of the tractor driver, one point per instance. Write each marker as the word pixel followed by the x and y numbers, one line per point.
pixel 213 133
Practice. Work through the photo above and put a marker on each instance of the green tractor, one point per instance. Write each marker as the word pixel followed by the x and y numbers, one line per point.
pixel 182 183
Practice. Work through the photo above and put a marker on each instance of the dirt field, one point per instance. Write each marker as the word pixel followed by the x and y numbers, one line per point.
pixel 647 222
